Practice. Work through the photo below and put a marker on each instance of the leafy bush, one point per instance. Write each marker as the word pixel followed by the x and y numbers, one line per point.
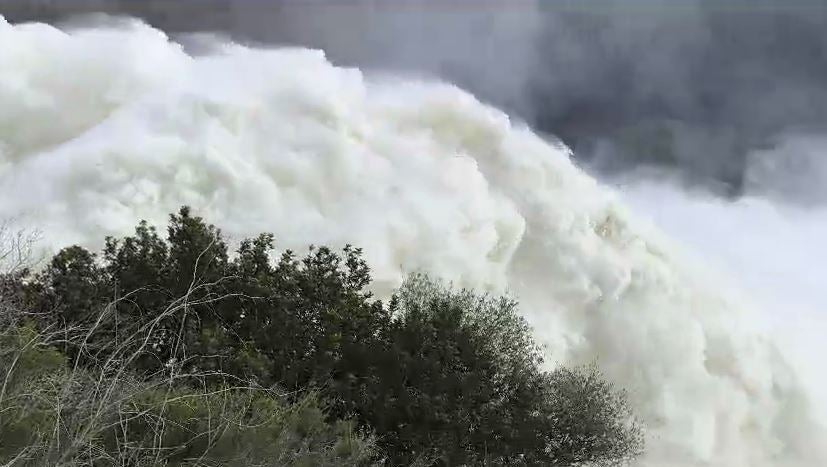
pixel 52 415
pixel 440 376
pixel 464 378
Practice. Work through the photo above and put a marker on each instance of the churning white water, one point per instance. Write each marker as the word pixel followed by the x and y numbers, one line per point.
pixel 773 250
pixel 100 127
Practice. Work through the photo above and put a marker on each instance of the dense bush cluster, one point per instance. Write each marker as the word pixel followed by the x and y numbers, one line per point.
pixel 176 351
pixel 53 414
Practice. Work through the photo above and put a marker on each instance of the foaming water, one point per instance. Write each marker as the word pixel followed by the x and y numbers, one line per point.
pixel 773 251
pixel 102 126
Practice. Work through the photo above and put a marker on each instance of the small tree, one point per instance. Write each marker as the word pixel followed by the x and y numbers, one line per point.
pixel 462 382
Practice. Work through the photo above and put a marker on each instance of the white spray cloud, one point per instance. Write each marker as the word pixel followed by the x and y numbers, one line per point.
pixel 773 251
pixel 794 170
pixel 101 127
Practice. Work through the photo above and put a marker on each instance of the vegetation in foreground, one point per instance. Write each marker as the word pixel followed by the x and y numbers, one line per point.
pixel 173 351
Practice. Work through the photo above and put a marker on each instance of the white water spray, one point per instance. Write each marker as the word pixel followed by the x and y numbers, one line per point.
pixel 100 127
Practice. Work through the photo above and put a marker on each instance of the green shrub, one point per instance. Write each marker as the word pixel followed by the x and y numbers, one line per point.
pixel 463 380
pixel 440 376
pixel 51 415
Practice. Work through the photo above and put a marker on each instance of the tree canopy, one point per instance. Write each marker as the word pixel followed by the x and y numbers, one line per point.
pixel 433 376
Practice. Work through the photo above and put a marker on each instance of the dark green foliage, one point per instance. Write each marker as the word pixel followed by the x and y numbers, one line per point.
pixel 590 420
pixel 51 415
pixel 449 384
pixel 27 371
pixel 441 377
pixel 464 378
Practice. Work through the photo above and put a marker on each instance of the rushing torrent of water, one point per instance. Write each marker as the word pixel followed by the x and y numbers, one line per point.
pixel 100 127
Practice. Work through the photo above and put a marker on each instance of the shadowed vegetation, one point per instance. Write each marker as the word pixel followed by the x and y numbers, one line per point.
pixel 175 351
